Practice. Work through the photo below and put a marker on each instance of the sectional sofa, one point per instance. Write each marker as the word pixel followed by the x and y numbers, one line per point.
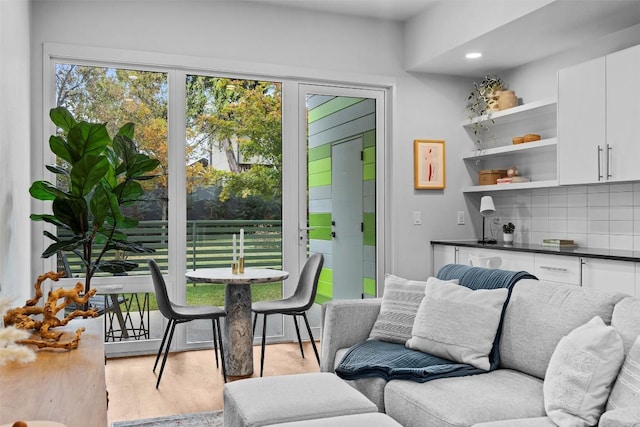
pixel 537 374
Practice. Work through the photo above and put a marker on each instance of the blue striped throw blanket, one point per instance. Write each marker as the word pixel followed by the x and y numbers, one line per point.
pixel 374 358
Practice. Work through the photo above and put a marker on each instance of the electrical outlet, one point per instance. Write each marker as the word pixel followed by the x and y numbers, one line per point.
pixel 460 217
pixel 417 218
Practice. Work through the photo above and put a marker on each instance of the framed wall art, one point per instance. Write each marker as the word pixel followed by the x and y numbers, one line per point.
pixel 428 164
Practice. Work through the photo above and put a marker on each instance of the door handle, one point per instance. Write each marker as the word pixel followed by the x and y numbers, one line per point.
pixel 608 159
pixel 599 172
pixel 545 267
pixel 302 234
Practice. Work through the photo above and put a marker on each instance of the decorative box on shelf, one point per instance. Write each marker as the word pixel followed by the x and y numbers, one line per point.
pixel 491 176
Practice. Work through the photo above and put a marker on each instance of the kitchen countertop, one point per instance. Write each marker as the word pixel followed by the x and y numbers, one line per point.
pixel 610 254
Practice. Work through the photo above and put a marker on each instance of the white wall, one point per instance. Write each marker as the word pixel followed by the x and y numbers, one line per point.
pixel 296 42
pixel 15 236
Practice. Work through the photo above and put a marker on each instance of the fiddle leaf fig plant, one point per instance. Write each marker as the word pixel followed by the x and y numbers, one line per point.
pixel 96 177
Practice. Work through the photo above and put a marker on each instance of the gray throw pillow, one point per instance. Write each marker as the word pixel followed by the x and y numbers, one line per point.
pixel 400 303
pixel 626 389
pixel 458 323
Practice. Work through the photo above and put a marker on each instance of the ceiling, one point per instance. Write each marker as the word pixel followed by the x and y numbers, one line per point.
pixel 556 26
pixel 396 10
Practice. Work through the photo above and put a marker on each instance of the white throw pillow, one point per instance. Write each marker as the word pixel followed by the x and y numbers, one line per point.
pixel 458 323
pixel 580 374
pixel 626 389
pixel 400 302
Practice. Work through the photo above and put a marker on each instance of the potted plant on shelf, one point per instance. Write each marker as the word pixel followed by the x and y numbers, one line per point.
pixel 507 232
pixel 96 176
pixel 483 100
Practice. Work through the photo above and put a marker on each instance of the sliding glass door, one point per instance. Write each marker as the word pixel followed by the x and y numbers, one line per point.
pixel 298 167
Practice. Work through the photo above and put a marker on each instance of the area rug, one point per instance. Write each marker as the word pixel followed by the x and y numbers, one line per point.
pixel 201 419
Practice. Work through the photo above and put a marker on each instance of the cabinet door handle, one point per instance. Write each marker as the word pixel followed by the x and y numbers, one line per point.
pixel 599 173
pixel 608 160
pixel 546 267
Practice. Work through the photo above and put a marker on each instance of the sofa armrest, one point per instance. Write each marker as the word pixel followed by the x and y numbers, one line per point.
pixel 344 324
pixel 622 417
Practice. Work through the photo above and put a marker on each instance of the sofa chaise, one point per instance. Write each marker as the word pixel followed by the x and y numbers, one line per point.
pixel 537 317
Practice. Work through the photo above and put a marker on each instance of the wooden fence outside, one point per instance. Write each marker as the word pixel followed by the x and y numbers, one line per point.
pixel 209 244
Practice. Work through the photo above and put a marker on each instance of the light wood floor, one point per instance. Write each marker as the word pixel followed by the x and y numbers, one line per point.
pixel 190 382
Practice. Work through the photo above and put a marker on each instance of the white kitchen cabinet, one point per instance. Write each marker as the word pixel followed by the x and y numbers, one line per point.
pixel 609 275
pixel 558 268
pixel 598 110
pixel 443 255
pixel 603 274
pixel 510 260
pixel 581 122
pixel 623 114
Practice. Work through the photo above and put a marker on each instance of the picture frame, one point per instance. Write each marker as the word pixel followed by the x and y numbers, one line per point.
pixel 429 171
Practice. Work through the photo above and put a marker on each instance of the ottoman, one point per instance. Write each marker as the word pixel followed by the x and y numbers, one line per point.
pixel 271 400
pixel 370 420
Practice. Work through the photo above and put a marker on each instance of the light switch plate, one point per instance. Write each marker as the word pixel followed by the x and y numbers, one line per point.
pixel 417 218
pixel 460 217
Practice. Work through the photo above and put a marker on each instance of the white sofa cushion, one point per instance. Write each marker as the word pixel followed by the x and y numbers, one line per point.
pixel 580 374
pixel 458 323
pixel 400 303
pixel 539 314
pixel 502 394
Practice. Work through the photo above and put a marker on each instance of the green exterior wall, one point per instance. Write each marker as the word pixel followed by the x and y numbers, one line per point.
pixel 331 120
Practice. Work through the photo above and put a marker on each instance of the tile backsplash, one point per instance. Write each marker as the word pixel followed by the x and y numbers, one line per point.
pixel 599 216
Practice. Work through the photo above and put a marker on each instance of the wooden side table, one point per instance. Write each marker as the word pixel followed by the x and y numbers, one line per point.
pixel 65 386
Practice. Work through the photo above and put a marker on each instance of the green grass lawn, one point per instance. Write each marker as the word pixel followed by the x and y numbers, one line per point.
pixel 213 294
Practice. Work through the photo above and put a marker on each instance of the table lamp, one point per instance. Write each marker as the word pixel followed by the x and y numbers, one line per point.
pixel 487 208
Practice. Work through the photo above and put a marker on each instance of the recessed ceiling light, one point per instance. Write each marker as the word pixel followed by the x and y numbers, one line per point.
pixel 473 55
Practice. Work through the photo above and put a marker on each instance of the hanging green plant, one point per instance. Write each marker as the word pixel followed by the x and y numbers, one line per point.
pixel 483 100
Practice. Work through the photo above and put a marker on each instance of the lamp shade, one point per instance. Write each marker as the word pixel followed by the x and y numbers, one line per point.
pixel 487 208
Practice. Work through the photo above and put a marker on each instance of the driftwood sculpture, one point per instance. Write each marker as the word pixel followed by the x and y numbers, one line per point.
pixel 21 318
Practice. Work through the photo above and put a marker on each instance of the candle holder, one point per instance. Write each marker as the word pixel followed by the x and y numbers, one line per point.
pixel 234 268
pixel 241 265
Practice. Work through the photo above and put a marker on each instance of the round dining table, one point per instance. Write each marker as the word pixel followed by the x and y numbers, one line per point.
pixel 238 328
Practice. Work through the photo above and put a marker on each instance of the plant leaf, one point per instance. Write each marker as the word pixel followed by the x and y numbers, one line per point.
pixel 73 213
pixel 58 170
pixel 44 190
pixel 127 130
pixel 87 173
pixel 62 118
pixel 60 148
pixel 87 138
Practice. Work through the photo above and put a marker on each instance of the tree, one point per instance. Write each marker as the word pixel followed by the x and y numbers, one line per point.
pixel 223 111
pixel 241 118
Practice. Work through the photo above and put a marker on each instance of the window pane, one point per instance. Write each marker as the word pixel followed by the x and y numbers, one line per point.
pixel 117 96
pixel 234 181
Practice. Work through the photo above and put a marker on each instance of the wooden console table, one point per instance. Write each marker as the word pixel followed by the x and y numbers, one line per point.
pixel 64 386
